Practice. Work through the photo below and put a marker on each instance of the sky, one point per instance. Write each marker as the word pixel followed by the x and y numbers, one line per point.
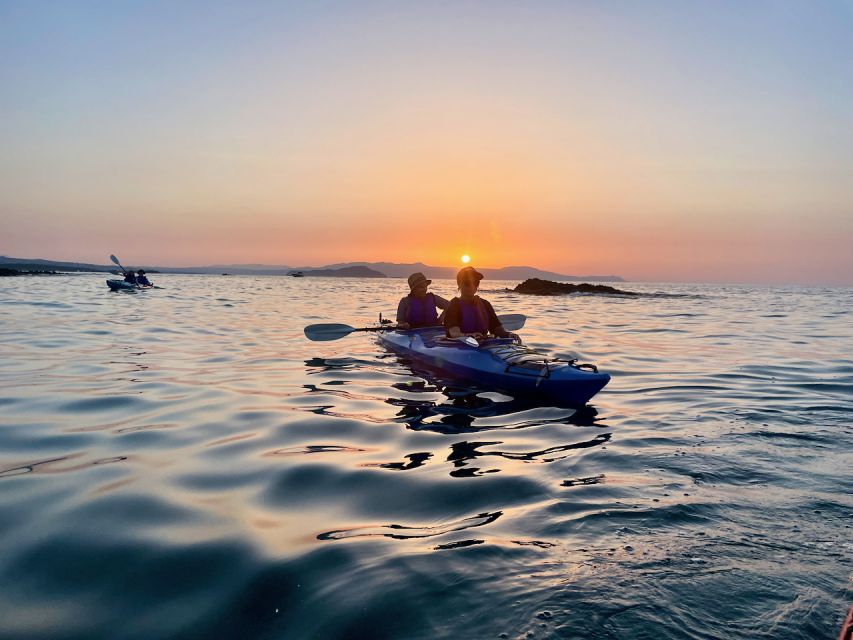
pixel 657 140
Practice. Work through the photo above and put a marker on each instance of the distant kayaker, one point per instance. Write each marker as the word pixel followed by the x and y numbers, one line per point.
pixel 418 309
pixel 141 280
pixel 471 315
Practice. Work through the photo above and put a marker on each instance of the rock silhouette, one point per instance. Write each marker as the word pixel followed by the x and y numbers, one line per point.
pixel 535 286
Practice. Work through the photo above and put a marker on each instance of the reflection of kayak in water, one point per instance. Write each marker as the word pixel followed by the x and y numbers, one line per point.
pixel 499 364
pixel 847 627
pixel 121 285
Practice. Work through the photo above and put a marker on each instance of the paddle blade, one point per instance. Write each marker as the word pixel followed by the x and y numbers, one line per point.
pixel 326 332
pixel 513 321
pixel 114 259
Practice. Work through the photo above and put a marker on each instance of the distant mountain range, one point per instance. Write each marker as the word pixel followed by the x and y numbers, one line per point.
pixel 37 264
pixel 397 270
pixel 345 269
pixel 341 272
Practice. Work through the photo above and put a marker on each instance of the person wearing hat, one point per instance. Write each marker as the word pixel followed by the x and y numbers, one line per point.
pixel 418 308
pixel 471 315
pixel 141 280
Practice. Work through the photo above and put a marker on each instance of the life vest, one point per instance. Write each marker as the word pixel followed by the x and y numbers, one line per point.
pixel 420 312
pixel 473 317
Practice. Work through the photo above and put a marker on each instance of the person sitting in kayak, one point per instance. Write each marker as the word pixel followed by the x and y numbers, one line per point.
pixel 130 277
pixel 418 309
pixel 471 315
pixel 141 280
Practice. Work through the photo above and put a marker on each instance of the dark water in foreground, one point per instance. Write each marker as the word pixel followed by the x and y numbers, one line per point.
pixel 183 463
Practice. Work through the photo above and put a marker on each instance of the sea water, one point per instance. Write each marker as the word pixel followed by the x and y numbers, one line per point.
pixel 184 463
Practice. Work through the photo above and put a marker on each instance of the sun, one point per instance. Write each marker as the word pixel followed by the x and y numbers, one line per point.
pixel 466 259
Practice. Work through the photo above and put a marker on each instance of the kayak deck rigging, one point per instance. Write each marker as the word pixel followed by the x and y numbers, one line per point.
pixel 516 355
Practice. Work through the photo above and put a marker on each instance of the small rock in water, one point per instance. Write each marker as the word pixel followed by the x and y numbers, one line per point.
pixel 538 287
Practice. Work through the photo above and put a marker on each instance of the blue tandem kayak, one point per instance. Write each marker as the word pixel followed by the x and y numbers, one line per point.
pixel 499 364
pixel 121 285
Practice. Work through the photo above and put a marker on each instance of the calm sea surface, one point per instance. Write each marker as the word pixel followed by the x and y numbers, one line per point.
pixel 183 463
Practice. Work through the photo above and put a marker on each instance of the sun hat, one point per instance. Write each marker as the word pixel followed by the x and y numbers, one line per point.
pixel 468 272
pixel 418 279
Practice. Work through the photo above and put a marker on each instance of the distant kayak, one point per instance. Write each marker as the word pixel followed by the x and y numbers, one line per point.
pixel 121 285
pixel 499 364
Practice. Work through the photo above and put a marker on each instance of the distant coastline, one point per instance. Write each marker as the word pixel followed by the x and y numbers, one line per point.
pixel 6 272
pixel 344 272
pixel 339 270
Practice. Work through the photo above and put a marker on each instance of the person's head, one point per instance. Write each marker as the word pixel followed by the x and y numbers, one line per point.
pixel 468 280
pixel 141 272
pixel 418 284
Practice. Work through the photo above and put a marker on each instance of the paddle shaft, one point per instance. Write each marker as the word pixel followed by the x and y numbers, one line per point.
pixel 331 331
pixel 114 259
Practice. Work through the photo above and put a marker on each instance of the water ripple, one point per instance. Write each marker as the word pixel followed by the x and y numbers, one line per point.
pixel 183 463
pixel 401 532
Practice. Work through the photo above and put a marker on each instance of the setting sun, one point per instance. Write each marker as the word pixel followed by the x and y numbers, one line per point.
pixel 466 259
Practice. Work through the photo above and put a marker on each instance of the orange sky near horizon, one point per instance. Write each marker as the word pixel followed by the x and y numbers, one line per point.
pixel 695 143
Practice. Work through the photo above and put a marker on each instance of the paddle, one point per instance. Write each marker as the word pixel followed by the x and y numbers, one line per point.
pixel 114 259
pixel 512 321
pixel 325 332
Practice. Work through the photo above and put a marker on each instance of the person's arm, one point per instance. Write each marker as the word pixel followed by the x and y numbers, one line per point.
pixel 442 304
pixel 451 319
pixel 401 312
pixel 500 332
